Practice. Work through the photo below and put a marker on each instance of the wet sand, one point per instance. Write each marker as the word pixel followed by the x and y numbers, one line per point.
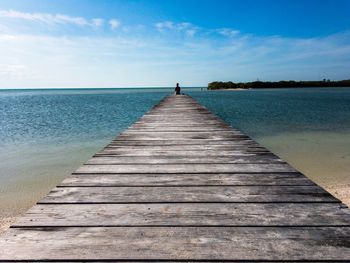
pixel 6 222
pixel 322 156
pixel 28 174
pixel 342 192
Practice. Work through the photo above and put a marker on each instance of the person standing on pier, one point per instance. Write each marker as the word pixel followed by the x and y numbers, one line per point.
pixel 177 89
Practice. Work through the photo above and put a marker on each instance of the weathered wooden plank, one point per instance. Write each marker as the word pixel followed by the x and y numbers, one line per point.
pixel 189 109
pixel 182 159
pixel 188 147
pixel 178 129
pixel 176 115
pixel 176 194
pixel 183 142
pixel 198 153
pixel 195 114
pixel 183 122
pixel 172 125
pixel 112 153
pixel 177 118
pixel 288 214
pixel 179 107
pixel 185 179
pixel 187 168
pixel 177 243
pixel 180 120
pixel 210 148
pixel 156 136
pixel 217 151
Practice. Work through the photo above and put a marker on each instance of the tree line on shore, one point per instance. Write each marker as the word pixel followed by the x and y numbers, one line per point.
pixel 277 84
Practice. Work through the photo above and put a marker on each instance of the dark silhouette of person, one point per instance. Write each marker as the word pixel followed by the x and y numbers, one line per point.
pixel 177 89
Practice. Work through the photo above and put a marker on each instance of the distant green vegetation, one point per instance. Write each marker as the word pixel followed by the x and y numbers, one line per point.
pixel 279 84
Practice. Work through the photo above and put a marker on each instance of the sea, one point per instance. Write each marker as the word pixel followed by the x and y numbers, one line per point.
pixel 45 134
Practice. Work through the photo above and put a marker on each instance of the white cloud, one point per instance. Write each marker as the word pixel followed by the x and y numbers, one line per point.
pixel 42 61
pixel 161 26
pixel 228 32
pixel 51 18
pixel 191 32
pixel 129 59
pixel 98 22
pixel 185 27
pixel 133 28
pixel 114 24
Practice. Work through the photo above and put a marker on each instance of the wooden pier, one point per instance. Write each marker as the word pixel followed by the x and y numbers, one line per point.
pixel 182 185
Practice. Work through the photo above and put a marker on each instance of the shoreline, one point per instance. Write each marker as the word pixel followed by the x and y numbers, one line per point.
pixel 271 88
pixel 239 89
pixel 278 84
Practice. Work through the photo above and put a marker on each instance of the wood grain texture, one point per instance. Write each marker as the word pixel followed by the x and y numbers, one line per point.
pixel 288 214
pixel 177 243
pixel 185 179
pixel 189 147
pixel 177 194
pixel 187 135
pixel 189 153
pixel 187 168
pixel 182 160
pixel 182 142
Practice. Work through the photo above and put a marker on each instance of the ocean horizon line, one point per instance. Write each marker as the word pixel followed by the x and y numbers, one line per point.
pixel 93 88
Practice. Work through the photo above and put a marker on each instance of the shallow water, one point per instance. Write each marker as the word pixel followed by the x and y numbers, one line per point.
pixel 322 156
pixel 309 128
pixel 47 134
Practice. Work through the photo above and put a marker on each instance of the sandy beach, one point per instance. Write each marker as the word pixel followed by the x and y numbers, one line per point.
pixel 6 222
pixel 342 192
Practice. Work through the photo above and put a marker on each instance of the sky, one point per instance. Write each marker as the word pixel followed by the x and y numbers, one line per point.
pixel 156 43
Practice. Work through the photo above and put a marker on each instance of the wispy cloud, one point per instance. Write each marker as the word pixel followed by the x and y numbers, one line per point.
pixel 188 28
pixel 228 32
pixel 139 55
pixel 131 61
pixel 98 22
pixel 161 26
pixel 51 19
pixel 114 24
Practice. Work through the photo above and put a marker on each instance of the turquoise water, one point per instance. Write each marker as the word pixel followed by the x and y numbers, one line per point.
pixel 309 128
pixel 268 112
pixel 47 134
pixel 63 116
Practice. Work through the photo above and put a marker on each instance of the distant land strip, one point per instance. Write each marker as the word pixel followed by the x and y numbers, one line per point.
pixel 216 85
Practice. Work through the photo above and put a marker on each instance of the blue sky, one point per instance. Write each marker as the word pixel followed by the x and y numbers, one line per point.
pixel 64 43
